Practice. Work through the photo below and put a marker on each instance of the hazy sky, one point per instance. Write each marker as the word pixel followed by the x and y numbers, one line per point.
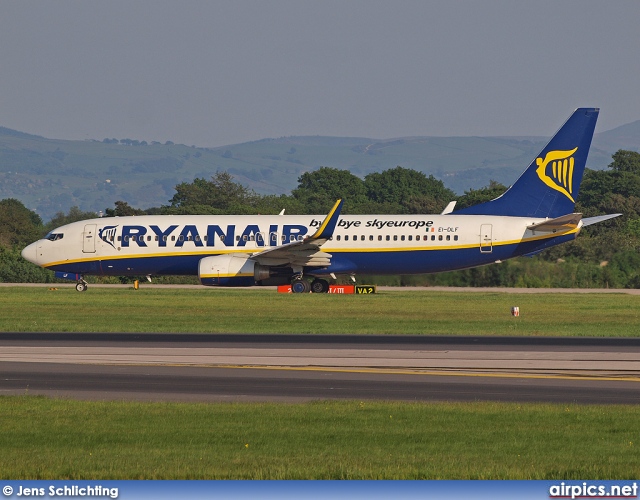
pixel 211 73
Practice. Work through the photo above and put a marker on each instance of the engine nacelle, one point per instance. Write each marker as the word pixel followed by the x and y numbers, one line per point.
pixel 230 270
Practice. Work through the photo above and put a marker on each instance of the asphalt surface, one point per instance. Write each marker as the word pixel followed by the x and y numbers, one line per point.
pixel 185 367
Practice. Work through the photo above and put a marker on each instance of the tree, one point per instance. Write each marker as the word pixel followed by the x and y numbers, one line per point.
pixel 19 226
pixel 123 209
pixel 626 161
pixel 74 215
pixel 408 190
pixel 616 189
pixel 317 191
pixel 477 196
pixel 221 194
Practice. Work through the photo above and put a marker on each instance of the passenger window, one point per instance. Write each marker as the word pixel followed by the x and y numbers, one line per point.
pixel 440 238
pixel 425 237
pixel 346 237
pixel 149 238
pixel 455 237
pixel 338 238
pixel 238 238
pixel 182 237
pixel 164 237
pixel 119 238
pixel 379 237
pixel 244 237
pixel 388 238
pixel 395 237
pixel 157 238
pixel 433 237
pixel 410 237
pixel 448 237
pixel 362 238
pixel 370 237
pixel 402 237
pixel 173 237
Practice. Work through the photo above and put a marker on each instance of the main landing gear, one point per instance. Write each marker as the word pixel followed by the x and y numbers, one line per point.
pixel 301 285
pixel 319 286
pixel 81 286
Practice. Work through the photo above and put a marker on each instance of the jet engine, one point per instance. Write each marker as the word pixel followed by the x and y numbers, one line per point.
pixel 231 270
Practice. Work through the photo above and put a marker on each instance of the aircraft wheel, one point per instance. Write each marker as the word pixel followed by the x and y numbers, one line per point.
pixel 319 286
pixel 81 286
pixel 300 286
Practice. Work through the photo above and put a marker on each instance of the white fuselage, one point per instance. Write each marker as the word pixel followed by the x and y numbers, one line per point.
pixel 374 244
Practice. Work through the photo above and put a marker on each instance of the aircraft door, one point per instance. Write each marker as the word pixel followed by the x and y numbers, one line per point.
pixel 89 238
pixel 486 238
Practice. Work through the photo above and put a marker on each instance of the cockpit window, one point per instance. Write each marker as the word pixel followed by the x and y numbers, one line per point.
pixel 54 236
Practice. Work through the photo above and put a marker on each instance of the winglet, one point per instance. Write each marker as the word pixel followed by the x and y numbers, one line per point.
pixel 449 208
pixel 325 231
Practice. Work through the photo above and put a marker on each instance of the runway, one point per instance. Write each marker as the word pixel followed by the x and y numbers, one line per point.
pixel 184 367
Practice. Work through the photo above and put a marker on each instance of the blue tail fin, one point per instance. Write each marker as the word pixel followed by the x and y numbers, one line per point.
pixel 550 186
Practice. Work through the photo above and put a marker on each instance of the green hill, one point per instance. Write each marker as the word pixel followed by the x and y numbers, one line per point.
pixel 50 175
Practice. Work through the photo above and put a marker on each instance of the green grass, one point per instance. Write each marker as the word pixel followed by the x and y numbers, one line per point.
pixel 259 311
pixel 63 439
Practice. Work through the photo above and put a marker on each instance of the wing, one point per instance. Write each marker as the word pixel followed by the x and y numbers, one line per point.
pixel 304 252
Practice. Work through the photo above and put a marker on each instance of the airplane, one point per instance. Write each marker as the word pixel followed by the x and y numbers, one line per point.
pixel 535 213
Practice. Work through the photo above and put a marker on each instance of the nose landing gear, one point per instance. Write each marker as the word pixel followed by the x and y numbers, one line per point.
pixel 81 285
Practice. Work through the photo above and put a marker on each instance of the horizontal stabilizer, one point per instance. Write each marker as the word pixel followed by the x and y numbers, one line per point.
pixel 594 220
pixel 564 223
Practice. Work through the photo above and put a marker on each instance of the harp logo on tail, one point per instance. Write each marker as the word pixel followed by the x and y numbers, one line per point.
pixel 556 171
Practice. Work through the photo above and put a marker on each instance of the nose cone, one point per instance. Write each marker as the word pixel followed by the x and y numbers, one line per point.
pixel 30 253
